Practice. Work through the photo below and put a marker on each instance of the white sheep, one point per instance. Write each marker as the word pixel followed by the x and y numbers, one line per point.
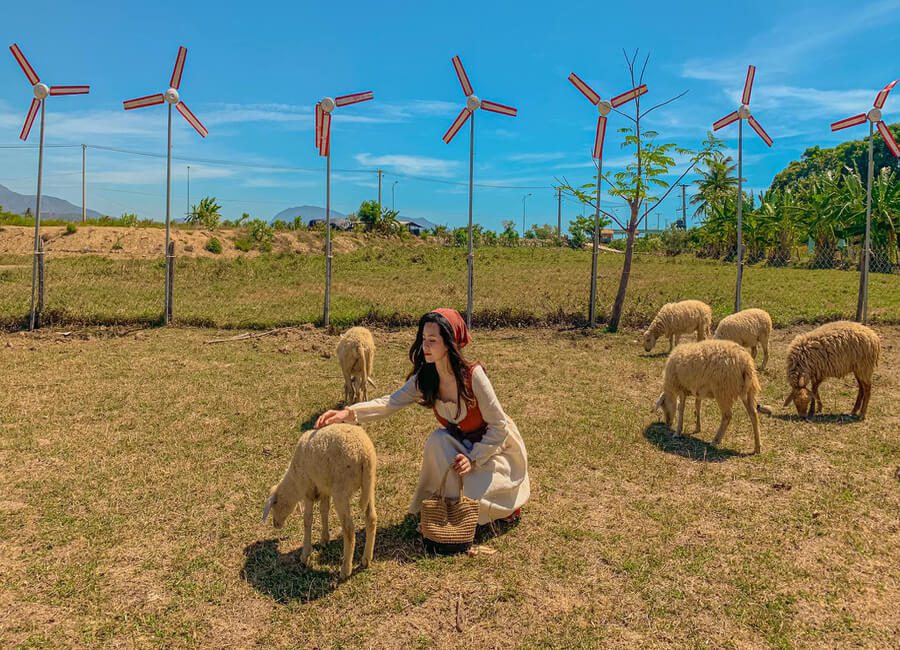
pixel 721 370
pixel 832 350
pixel 356 353
pixel 750 328
pixel 677 318
pixel 329 463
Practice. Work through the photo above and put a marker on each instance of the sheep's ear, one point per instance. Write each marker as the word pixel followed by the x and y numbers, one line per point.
pixel 789 398
pixel 268 506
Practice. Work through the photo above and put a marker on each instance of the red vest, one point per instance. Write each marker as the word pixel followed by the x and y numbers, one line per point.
pixel 472 427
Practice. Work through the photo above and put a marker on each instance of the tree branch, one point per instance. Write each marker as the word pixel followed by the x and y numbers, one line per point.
pixel 566 187
pixel 643 69
pixel 668 101
pixel 673 186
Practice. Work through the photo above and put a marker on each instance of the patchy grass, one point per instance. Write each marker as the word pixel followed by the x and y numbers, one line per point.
pixel 391 283
pixel 135 465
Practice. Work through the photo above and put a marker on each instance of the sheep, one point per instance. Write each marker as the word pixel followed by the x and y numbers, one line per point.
pixel 356 353
pixel 677 318
pixel 832 350
pixel 750 328
pixel 721 370
pixel 329 463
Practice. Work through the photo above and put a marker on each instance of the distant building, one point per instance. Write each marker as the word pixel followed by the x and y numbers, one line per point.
pixel 414 226
pixel 340 223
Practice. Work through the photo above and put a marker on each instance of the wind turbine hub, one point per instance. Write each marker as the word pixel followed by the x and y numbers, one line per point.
pixel 604 107
pixel 41 91
pixel 473 103
pixel 874 115
pixel 744 111
pixel 327 104
pixel 171 96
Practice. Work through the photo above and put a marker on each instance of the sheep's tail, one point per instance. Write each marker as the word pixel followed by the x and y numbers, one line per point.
pixel 367 493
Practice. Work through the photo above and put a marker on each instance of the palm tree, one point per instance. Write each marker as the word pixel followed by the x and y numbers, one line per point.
pixel 207 213
pixel 717 184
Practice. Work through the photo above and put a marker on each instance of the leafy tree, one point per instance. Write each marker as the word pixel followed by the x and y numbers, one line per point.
pixel 205 214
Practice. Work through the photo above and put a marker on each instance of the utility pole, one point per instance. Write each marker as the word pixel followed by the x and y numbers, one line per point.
pixel 380 174
pixel 83 183
pixel 684 205
pixel 558 213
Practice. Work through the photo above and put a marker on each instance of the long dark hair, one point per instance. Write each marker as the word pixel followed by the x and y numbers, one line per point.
pixel 426 373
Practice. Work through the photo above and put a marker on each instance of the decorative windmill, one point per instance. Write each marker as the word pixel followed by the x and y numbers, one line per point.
pixel 604 107
pixel 473 103
pixel 873 117
pixel 741 114
pixel 323 143
pixel 41 92
pixel 172 98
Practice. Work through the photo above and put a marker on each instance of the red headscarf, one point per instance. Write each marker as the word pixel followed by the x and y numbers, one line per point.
pixel 457 326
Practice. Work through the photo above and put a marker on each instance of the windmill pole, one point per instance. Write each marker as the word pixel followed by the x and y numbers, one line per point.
pixel 326 317
pixel 592 308
pixel 84 183
pixel 38 249
pixel 740 223
pixel 862 306
pixel 470 257
pixel 167 310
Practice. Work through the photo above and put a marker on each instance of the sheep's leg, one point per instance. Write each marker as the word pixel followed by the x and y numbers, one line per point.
pixel 750 405
pixel 697 414
pixel 342 507
pixel 307 530
pixel 867 394
pixel 371 527
pixel 859 395
pixel 753 351
pixel 723 425
pixel 324 507
pixel 348 384
pixel 765 347
pixel 671 342
pixel 701 332
pixel 817 399
pixel 679 427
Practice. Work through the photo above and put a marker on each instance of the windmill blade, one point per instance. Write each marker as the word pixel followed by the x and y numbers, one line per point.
pixel 325 141
pixel 848 122
pixel 882 95
pixel 634 93
pixel 29 119
pixel 355 98
pixel 494 107
pixel 144 102
pixel 175 81
pixel 319 112
pixel 598 139
pixel 586 90
pixel 23 63
pixel 725 121
pixel 889 139
pixel 192 119
pixel 761 132
pixel 457 125
pixel 463 77
pixel 70 90
pixel 748 84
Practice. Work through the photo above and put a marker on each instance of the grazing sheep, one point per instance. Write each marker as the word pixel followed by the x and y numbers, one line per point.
pixel 356 352
pixel 832 350
pixel 750 328
pixel 329 463
pixel 721 370
pixel 677 318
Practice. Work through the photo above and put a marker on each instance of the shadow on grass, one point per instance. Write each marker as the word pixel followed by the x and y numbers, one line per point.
pixel 829 418
pixel 687 446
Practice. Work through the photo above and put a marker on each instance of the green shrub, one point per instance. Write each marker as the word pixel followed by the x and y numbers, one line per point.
pixel 71 228
pixel 214 246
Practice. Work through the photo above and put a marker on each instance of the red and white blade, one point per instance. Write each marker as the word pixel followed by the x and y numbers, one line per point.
pixel 457 125
pixel 889 139
pixel 325 141
pixel 848 122
pixel 70 90
pixel 319 112
pixel 144 102
pixel 29 119
pixel 586 90
pixel 882 95
pixel 355 98
pixel 192 119
pixel 463 77
pixel 23 63
pixel 598 139
pixel 748 84
pixel 761 132
pixel 175 81
pixel 494 107
pixel 634 93
pixel 725 121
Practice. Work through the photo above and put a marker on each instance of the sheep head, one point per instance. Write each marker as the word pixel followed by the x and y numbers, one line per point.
pixel 649 340
pixel 280 507
pixel 667 407
pixel 799 395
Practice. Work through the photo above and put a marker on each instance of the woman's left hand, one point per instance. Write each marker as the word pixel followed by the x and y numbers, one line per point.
pixel 462 465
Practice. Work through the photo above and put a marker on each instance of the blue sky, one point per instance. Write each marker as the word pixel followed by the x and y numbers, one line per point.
pixel 254 73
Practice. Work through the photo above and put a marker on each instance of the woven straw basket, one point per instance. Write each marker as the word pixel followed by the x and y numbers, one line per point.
pixel 449 521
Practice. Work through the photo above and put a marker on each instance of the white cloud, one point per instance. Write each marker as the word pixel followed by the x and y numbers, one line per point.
pixel 536 157
pixel 412 165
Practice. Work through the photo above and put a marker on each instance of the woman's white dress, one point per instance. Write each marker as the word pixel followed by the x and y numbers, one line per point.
pixel 499 476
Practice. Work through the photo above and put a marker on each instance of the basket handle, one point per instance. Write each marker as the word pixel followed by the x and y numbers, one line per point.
pixel 444 482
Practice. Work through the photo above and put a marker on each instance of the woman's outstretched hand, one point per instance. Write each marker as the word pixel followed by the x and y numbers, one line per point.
pixel 462 465
pixel 333 416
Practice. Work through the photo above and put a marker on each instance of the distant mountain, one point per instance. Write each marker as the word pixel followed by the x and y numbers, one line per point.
pixel 51 207
pixel 308 212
